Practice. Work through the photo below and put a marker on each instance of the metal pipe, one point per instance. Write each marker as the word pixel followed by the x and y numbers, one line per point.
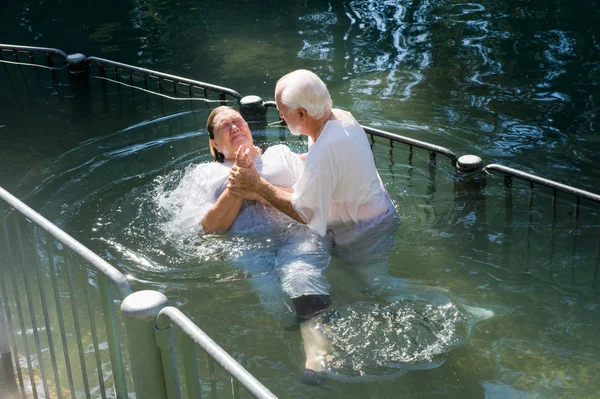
pixel 7 374
pixel 597 262
pixel 165 340
pixel 45 310
pixel 36 336
pixel 235 388
pixel 578 203
pixel 144 71
pixel 92 316
pixel 113 337
pixel 530 220
pixel 212 377
pixel 544 182
pixel 78 340
pixel 59 313
pixel 192 374
pixel 173 315
pixel 508 218
pixel 4 342
pixel 75 246
pixel 416 143
pixel 45 50
pixel 19 310
pixel 4 292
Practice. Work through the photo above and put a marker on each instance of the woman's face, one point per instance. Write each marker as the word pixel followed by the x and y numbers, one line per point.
pixel 230 131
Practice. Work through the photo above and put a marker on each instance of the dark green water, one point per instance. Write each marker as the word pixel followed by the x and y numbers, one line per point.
pixel 514 82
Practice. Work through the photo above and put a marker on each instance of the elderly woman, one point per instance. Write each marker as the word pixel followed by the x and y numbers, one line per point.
pixel 301 257
pixel 293 268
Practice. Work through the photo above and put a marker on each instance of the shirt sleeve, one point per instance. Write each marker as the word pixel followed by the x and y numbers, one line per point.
pixel 314 191
pixel 197 191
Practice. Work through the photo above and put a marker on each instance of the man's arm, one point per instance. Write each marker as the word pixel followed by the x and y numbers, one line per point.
pixel 247 180
pixel 279 198
pixel 222 214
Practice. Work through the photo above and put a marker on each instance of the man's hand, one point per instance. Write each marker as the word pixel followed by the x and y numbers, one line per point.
pixel 244 181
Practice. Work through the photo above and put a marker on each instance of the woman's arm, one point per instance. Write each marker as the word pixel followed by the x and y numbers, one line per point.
pixel 222 214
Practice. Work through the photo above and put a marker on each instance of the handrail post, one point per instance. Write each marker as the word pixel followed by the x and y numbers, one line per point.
pixel 79 78
pixel 253 110
pixel 140 311
pixel 469 186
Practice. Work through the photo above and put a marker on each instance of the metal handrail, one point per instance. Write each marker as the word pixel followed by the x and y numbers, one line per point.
pixel 412 142
pixel 75 246
pixel 143 71
pixel 169 315
pixel 544 182
pixel 31 49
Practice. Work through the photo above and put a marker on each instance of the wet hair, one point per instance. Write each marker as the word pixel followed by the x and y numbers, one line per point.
pixel 304 89
pixel 210 126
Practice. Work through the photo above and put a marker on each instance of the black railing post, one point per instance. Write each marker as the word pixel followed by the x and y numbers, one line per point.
pixel 76 63
pixel 469 188
pixel 79 79
pixel 253 110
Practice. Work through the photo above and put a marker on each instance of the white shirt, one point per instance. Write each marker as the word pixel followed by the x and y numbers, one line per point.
pixel 340 184
pixel 202 185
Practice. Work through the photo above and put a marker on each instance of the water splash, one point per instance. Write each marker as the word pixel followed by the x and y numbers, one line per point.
pixel 373 340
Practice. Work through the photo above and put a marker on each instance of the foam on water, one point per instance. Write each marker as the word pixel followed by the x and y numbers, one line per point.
pixel 377 340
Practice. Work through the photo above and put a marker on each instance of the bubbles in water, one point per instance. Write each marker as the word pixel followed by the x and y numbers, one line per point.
pixel 369 339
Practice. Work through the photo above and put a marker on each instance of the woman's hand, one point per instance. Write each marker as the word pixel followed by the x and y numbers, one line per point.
pixel 244 181
pixel 243 157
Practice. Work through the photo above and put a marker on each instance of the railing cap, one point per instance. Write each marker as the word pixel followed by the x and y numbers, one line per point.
pixel 144 304
pixel 469 163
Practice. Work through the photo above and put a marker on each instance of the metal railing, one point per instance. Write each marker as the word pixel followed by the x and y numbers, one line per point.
pixel 578 195
pixel 170 86
pixel 170 317
pixel 49 54
pixel 166 84
pixel 132 76
pixel 48 259
pixel 396 138
pixel 51 287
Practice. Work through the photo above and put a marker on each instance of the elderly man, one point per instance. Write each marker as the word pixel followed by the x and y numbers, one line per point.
pixel 340 187
pixel 339 193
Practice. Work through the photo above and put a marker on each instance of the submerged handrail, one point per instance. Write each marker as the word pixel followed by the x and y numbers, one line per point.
pixel 143 71
pixel 169 315
pixel 32 49
pixel 543 181
pixel 104 267
pixel 412 142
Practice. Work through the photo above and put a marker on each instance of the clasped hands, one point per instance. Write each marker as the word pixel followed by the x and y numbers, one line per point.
pixel 244 179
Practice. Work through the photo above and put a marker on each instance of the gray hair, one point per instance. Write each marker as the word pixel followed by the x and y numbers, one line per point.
pixel 304 89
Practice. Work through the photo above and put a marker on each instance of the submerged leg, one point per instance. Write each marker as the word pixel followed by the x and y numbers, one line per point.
pixel 302 261
pixel 315 346
pixel 479 314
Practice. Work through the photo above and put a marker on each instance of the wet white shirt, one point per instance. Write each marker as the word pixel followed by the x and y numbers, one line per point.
pixel 202 185
pixel 340 185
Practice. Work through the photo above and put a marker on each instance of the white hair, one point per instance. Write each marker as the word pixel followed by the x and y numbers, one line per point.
pixel 304 89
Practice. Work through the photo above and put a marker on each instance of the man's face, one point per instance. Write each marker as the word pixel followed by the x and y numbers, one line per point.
pixel 291 117
pixel 230 131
